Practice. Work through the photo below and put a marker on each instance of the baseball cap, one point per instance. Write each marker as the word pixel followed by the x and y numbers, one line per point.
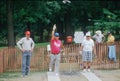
pixel 56 34
pixel 109 32
pixel 88 34
pixel 27 33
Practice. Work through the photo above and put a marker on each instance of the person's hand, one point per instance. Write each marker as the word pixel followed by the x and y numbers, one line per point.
pixel 54 26
pixel 94 55
pixel 80 52
pixel 22 50
pixel 48 55
pixel 62 50
pixel 31 50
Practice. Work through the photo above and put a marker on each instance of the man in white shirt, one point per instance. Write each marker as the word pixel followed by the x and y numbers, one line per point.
pixel 87 48
pixel 26 45
pixel 98 37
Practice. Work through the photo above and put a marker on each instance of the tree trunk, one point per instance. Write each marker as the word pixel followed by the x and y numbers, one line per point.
pixel 85 21
pixel 28 26
pixel 69 30
pixel 41 30
pixel 60 28
pixel 11 42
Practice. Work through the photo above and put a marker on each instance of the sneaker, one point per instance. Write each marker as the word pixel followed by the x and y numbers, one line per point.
pixel 57 74
pixel 89 70
pixel 84 70
pixel 50 69
pixel 22 76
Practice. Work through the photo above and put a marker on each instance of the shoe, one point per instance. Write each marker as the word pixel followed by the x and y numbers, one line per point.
pixel 84 70
pixel 50 69
pixel 22 76
pixel 57 74
pixel 89 70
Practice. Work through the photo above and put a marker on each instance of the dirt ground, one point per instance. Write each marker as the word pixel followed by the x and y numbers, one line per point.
pixel 108 75
pixel 104 75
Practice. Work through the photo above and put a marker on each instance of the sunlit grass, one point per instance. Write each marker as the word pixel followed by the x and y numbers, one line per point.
pixel 42 44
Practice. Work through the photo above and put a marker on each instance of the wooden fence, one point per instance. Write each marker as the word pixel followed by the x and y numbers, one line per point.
pixel 11 58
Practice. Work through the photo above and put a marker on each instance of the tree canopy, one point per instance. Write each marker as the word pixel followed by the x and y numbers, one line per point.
pixel 39 16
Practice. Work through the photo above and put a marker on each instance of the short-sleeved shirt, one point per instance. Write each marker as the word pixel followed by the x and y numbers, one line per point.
pixel 55 46
pixel 98 38
pixel 111 40
pixel 88 45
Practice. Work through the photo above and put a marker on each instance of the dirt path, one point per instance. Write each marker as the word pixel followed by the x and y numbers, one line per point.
pixel 104 75
pixel 108 75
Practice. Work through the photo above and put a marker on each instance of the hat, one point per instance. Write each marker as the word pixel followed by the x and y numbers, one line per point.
pixel 56 34
pixel 88 34
pixel 98 32
pixel 27 33
pixel 109 33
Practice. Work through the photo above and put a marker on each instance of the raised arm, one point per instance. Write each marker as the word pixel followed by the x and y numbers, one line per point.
pixel 53 31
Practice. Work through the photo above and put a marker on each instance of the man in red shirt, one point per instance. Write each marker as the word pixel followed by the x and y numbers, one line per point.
pixel 56 46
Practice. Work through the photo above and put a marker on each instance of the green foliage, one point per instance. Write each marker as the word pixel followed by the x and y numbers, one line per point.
pixel 109 14
pixel 42 44
pixel 38 16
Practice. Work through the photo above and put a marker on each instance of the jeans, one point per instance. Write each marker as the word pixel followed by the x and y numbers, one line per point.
pixel 54 59
pixel 26 62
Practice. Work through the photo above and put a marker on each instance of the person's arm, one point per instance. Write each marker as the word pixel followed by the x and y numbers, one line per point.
pixel 93 37
pixel 81 49
pixel 19 43
pixel 53 31
pixel 62 48
pixel 94 49
pixel 82 45
pixel 33 45
pixel 103 38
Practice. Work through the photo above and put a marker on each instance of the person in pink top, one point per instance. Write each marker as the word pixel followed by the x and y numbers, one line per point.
pixel 56 46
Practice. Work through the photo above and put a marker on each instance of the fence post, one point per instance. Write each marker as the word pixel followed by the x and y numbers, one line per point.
pixel 1 61
pixel 119 56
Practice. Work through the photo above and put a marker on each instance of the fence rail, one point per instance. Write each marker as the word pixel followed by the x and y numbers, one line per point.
pixel 11 58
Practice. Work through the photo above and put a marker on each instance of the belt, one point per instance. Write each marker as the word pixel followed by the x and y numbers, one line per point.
pixel 27 50
pixel 56 53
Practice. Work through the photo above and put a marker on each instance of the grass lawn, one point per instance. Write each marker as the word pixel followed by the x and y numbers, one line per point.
pixel 9 75
pixel 42 44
